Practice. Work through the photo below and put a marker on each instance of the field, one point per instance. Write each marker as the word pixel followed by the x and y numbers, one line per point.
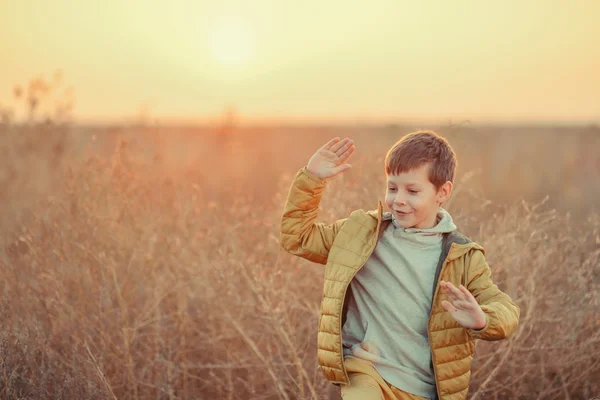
pixel 144 261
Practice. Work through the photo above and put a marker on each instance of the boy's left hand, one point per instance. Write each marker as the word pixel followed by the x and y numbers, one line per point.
pixel 464 307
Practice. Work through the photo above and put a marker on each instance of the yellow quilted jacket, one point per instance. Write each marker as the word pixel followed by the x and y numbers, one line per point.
pixel 345 246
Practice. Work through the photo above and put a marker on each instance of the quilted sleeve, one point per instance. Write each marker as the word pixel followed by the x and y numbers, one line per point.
pixel 300 234
pixel 501 312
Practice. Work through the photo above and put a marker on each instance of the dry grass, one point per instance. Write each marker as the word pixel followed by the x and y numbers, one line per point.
pixel 140 278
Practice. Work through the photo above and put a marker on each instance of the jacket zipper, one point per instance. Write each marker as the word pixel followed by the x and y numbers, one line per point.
pixel 346 290
pixel 437 386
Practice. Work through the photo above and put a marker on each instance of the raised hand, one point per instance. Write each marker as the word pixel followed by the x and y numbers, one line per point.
pixel 329 160
pixel 464 307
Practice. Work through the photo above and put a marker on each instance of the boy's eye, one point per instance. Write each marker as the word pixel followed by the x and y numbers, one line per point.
pixel 409 191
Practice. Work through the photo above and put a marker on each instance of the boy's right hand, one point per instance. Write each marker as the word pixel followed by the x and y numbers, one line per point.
pixel 328 160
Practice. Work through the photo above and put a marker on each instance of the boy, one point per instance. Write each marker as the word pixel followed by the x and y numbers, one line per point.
pixel 405 294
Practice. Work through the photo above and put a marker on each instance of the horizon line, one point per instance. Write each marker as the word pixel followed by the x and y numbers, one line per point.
pixel 241 121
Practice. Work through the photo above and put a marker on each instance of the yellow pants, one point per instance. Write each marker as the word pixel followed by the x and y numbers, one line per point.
pixel 367 384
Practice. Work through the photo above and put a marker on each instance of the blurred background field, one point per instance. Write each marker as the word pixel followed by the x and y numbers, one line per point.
pixel 146 152
pixel 143 262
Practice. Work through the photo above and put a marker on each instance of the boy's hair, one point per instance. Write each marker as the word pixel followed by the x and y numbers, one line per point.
pixel 422 147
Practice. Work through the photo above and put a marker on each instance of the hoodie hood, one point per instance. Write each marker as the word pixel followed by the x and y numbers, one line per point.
pixel 426 236
pixel 444 224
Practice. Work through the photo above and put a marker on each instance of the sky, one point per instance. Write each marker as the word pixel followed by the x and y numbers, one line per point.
pixel 382 60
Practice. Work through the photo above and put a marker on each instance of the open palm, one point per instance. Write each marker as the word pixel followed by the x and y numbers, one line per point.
pixel 464 307
pixel 329 160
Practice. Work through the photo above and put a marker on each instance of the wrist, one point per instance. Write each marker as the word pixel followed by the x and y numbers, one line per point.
pixel 481 325
pixel 313 173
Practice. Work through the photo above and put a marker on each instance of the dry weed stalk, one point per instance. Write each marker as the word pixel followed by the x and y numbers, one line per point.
pixel 134 280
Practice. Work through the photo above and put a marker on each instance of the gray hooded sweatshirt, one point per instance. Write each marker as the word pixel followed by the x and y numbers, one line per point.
pixel 388 312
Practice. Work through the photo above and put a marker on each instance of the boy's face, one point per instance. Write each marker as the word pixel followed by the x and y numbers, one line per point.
pixel 413 199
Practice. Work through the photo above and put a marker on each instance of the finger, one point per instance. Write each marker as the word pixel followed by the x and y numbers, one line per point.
pixel 446 305
pixel 447 290
pixel 339 145
pixel 345 147
pixel 340 169
pixel 457 293
pixel 328 145
pixel 452 297
pixel 344 156
pixel 468 295
pixel 444 288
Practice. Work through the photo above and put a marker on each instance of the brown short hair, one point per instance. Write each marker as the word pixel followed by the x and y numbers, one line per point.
pixel 422 147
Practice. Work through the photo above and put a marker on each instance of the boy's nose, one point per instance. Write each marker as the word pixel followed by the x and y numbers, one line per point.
pixel 400 202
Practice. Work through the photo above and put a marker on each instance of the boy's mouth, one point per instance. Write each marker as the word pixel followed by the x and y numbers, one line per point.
pixel 402 213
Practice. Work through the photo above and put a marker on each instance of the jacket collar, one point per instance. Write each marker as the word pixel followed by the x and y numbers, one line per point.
pixel 384 216
pixel 456 250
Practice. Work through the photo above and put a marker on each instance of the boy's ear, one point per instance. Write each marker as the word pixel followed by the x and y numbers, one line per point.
pixel 444 192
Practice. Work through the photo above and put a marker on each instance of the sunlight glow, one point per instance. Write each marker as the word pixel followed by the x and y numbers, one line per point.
pixel 231 42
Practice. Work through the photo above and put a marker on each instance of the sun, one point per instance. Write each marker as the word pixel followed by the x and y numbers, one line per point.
pixel 231 42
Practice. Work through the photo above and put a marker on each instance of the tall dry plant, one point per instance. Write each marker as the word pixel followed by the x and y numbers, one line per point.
pixel 134 280
pixel 34 139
